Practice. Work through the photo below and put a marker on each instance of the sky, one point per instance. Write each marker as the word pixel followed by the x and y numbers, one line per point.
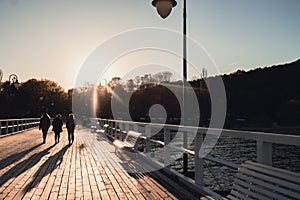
pixel 55 39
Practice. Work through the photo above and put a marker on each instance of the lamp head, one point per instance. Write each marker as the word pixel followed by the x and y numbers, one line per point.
pixel 164 7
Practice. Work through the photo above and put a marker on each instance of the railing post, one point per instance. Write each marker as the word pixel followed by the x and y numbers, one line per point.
pixel 199 168
pixel 14 126
pixel 17 128
pixel 264 152
pixel 110 128
pixel 21 125
pixel 148 144
pixel 136 128
pixel 0 127
pixel 114 130
pixel 120 125
pixel 167 153
pixel 6 127
pixel 101 123
pixel 185 156
pixel 127 128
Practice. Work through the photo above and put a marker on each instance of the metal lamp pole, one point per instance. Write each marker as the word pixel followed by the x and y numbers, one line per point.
pixel 164 8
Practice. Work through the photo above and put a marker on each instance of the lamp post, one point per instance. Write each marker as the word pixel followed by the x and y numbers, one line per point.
pixel 164 8
pixel 14 82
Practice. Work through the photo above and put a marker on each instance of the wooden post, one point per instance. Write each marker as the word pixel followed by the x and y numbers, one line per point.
pixel 264 152
pixel 199 168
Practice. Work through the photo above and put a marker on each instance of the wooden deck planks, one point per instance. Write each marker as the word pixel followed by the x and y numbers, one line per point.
pixel 88 169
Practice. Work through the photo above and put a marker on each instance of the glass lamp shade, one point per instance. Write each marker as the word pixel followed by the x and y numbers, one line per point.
pixel 164 7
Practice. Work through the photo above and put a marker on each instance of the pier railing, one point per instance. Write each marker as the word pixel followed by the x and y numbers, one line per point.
pixel 264 142
pixel 16 125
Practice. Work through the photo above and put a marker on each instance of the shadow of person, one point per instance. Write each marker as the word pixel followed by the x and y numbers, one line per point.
pixel 46 168
pixel 16 157
pixel 24 165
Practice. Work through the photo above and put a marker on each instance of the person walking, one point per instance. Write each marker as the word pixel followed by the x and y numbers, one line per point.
pixel 70 124
pixel 44 125
pixel 57 127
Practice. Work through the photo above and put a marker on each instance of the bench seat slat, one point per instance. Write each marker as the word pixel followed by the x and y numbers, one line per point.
pixel 232 197
pixel 257 191
pixel 130 145
pixel 268 185
pixel 272 171
pixel 130 141
pixel 249 194
pixel 258 181
pixel 269 179
pixel 239 195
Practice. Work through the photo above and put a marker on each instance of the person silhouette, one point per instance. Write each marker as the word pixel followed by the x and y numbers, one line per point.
pixel 70 124
pixel 44 125
pixel 57 127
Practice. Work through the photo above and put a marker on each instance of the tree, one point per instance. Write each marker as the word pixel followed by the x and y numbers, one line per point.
pixel 129 86
pixel 203 78
pixel 162 77
pixel 114 82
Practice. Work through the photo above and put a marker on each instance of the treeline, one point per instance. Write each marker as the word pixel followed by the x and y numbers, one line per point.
pixel 260 97
pixel 32 98
pixel 264 96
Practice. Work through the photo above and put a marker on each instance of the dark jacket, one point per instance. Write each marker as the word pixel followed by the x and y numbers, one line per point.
pixel 44 122
pixel 57 125
pixel 70 124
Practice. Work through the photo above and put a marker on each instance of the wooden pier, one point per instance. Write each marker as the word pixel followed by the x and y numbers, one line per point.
pixel 87 169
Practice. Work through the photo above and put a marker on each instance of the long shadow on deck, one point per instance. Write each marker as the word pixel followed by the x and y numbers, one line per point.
pixel 24 165
pixel 16 157
pixel 134 168
pixel 46 168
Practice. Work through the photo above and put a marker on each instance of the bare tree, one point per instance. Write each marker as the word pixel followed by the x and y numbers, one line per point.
pixel 167 76
pixel 162 77
pixel 158 77
pixel 203 76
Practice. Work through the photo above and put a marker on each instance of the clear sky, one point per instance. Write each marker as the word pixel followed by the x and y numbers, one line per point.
pixel 53 38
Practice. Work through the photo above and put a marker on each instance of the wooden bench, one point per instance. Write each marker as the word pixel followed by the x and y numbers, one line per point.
pixel 105 128
pixel 258 181
pixel 130 142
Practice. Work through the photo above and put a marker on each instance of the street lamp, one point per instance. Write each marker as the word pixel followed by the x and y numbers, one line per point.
pixel 14 82
pixel 164 8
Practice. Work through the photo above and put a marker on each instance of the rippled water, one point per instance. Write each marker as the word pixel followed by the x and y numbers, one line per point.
pixel 220 178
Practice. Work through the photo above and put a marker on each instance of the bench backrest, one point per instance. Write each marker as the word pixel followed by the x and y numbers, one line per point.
pixel 132 138
pixel 258 181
